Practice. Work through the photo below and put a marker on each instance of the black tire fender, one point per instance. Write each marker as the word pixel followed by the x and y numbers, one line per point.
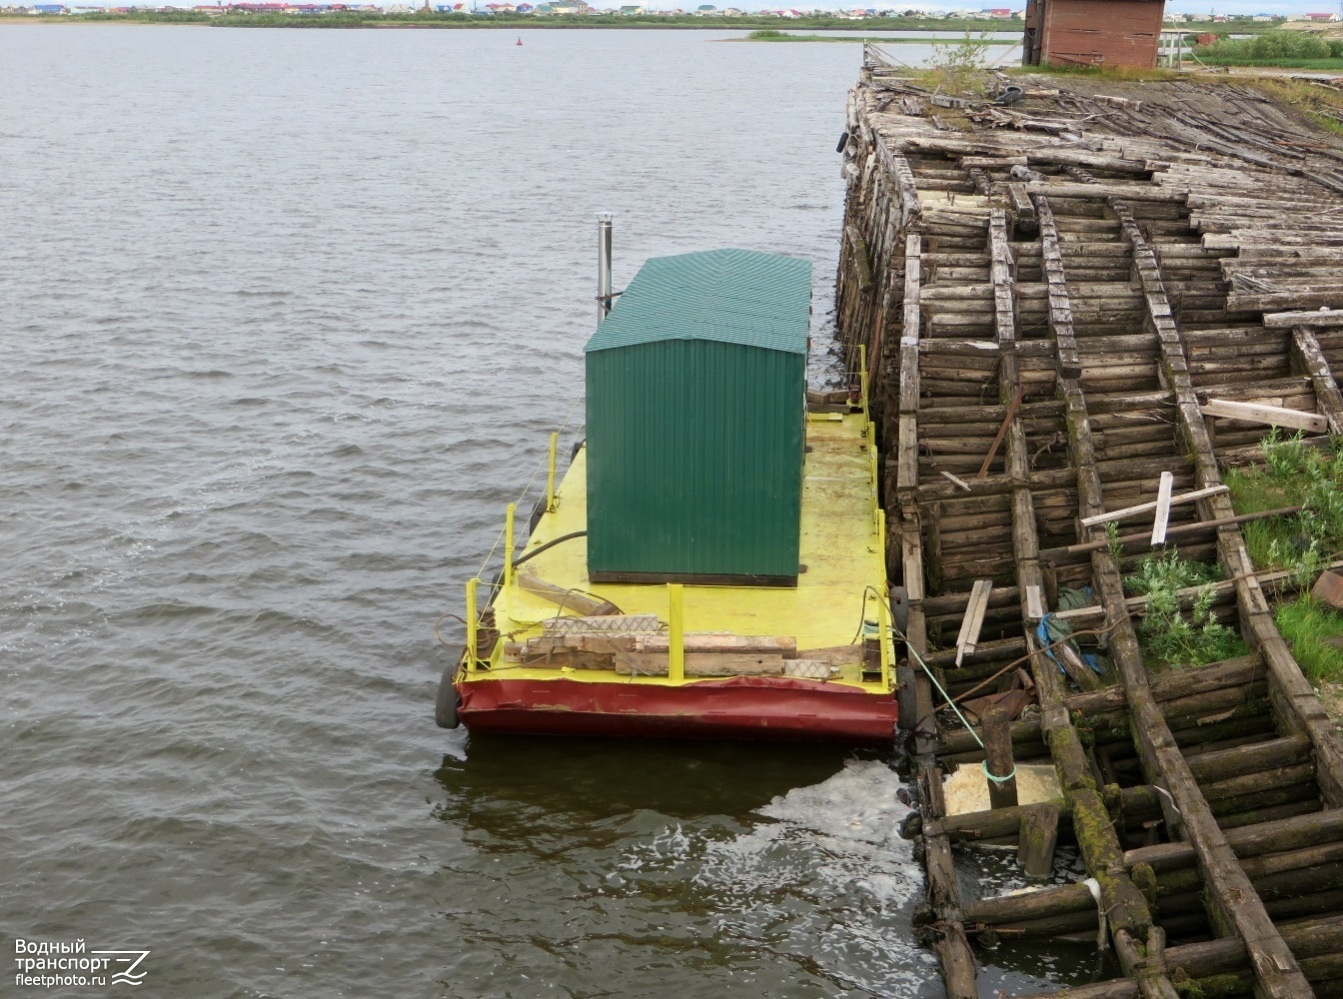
pixel 445 711
pixel 906 698
pixel 899 608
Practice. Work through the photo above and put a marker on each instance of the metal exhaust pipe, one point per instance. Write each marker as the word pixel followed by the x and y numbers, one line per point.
pixel 603 265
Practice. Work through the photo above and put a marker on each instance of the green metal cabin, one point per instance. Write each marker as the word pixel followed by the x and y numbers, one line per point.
pixel 696 413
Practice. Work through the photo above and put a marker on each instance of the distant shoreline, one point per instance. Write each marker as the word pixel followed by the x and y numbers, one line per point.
pixel 520 22
pixel 514 22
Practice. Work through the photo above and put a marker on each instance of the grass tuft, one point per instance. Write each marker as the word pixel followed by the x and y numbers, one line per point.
pixel 1309 626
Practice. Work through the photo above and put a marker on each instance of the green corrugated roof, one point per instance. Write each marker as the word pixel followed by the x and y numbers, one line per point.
pixel 730 296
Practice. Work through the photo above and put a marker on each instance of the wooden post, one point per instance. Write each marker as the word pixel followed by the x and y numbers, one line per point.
pixel 676 626
pixel 1000 763
pixel 1036 842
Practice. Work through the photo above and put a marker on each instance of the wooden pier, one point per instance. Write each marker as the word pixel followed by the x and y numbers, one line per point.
pixel 1097 299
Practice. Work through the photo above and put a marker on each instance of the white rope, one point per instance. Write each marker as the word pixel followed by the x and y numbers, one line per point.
pixel 1102 934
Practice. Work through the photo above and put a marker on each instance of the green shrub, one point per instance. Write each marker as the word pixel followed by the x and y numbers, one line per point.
pixel 1271 45
pixel 1169 636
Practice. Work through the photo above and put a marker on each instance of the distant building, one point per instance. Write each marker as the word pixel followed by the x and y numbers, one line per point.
pixel 1316 17
pixel 1105 33
pixel 48 8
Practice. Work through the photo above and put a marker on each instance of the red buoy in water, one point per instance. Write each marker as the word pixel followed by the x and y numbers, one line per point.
pixel 519 41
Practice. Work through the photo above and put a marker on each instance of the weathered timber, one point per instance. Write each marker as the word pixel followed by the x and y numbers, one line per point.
pixel 1141 508
pixel 567 599
pixel 1037 841
pixel 1277 416
pixel 1318 317
pixel 1309 358
pixel 1146 286
pixel 1217 957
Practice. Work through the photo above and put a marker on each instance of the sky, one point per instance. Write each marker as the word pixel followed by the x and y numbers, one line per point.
pixel 1203 7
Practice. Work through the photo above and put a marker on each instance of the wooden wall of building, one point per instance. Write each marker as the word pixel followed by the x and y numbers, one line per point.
pixel 1092 32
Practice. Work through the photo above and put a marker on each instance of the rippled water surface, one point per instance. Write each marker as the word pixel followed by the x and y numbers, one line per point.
pixel 287 316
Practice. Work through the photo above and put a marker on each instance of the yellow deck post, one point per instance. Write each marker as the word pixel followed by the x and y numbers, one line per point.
pixel 471 585
pixel 550 477
pixel 508 544
pixel 676 640
pixel 886 638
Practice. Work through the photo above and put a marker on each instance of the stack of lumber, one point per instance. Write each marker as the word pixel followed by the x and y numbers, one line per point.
pixel 633 646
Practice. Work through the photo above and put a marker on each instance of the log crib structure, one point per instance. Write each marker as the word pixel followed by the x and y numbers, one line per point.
pixel 1103 306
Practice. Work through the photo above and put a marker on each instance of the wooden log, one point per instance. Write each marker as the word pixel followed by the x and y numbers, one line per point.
pixel 1307 357
pixel 1288 834
pixel 1180 530
pixel 991 824
pixel 1038 839
pixel 1129 192
pixel 1320 317
pixel 1000 767
pixel 1266 869
pixel 1299 298
pixel 1277 416
pixel 1233 673
pixel 998 650
pixel 567 599
pixel 949 942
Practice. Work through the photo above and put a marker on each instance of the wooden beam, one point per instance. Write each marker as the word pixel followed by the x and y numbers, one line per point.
pixel 567 599
pixel 973 621
pixel 1133 511
pixel 1321 317
pixel 1035 603
pixel 1162 509
pixel 1277 416
pixel 1129 192
pixel 1060 307
pixel 1181 529
pixel 1309 358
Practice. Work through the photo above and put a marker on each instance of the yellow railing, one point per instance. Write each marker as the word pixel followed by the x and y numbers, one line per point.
pixel 550 474
pixel 862 376
pixel 472 624
pixel 886 639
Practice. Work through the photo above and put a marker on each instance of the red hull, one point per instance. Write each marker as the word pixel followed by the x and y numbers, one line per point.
pixel 738 708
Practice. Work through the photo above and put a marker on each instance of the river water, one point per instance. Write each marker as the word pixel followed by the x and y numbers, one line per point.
pixel 287 318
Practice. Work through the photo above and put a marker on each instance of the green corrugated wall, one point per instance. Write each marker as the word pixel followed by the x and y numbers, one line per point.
pixel 695 451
